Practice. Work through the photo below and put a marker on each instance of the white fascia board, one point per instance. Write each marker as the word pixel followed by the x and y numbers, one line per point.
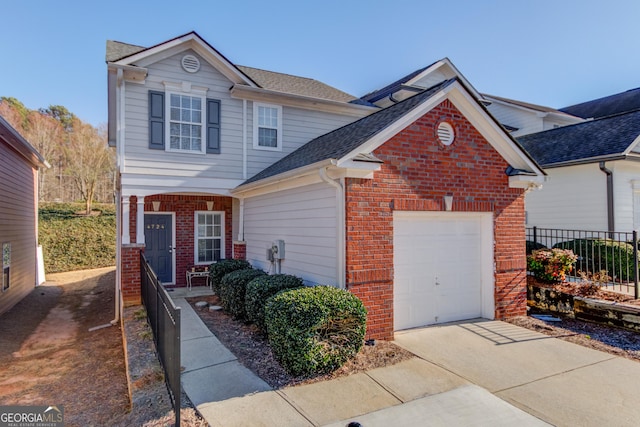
pixel 191 41
pixel 490 130
pixel 526 182
pixel 146 185
pixel 299 101
pixel 131 73
pixel 276 181
pixel 632 146
pixel 445 62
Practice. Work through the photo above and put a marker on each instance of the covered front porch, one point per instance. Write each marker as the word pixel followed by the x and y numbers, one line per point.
pixel 177 232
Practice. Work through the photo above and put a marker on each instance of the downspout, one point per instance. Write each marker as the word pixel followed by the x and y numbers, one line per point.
pixel 119 169
pixel 610 218
pixel 340 206
pixel 244 139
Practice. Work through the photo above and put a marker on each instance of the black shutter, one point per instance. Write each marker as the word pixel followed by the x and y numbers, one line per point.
pixel 156 120
pixel 213 126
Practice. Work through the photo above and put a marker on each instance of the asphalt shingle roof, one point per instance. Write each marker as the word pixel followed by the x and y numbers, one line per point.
pixel 609 136
pixel 392 87
pixel 338 143
pixel 279 82
pixel 607 106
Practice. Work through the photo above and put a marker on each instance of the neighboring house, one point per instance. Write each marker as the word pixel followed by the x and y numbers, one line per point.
pixel 517 117
pixel 19 163
pixel 606 106
pixel 416 206
pixel 594 175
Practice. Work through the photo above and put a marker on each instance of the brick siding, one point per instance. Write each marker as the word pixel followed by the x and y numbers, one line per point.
pixel 417 172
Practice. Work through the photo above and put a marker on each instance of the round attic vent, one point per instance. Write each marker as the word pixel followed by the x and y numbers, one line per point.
pixel 190 63
pixel 445 133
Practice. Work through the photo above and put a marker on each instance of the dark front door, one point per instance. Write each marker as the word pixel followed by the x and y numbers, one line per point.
pixel 158 236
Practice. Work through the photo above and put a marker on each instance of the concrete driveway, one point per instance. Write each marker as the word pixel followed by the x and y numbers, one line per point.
pixel 559 382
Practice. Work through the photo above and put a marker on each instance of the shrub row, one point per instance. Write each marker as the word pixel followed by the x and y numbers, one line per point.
pixel 71 241
pixel 310 329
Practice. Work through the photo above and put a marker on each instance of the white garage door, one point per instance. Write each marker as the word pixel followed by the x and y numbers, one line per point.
pixel 440 266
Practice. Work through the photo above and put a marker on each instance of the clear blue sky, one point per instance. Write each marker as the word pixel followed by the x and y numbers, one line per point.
pixel 549 52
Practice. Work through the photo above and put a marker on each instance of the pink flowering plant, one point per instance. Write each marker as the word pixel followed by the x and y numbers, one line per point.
pixel 551 265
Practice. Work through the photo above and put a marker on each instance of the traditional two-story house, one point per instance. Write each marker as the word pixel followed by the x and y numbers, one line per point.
pixel 416 206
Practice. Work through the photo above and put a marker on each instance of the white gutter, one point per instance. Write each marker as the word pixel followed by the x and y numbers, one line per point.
pixel 294 173
pixel 340 214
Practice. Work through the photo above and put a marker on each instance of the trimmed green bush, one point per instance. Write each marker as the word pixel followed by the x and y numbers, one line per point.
pixel 260 289
pixel 315 330
pixel 73 241
pixel 223 267
pixel 233 289
pixel 595 255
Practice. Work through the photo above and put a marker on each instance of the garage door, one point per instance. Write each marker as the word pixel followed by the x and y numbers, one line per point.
pixel 440 264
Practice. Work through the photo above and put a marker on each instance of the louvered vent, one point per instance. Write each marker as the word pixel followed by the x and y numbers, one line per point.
pixel 190 63
pixel 445 133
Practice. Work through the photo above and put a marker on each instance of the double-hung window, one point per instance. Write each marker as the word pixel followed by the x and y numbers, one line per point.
pixel 185 122
pixel 267 126
pixel 6 265
pixel 209 237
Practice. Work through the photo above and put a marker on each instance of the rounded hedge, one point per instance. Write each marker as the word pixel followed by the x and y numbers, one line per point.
pixel 223 267
pixel 233 288
pixel 315 330
pixel 260 289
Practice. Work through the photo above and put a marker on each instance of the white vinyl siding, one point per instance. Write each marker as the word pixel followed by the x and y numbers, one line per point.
pixel 573 197
pixel 626 194
pixel 298 126
pixel 305 218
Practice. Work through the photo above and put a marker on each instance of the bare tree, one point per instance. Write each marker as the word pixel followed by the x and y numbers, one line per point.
pixel 88 159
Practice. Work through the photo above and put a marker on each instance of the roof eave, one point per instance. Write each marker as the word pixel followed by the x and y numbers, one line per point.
pixel 301 101
pixel 22 146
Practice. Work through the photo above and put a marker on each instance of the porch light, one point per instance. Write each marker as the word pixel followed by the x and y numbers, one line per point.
pixel 209 206
pixel 448 202
pixel 156 205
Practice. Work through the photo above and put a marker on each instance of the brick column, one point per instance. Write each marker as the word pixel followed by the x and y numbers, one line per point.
pixel 130 274
pixel 239 250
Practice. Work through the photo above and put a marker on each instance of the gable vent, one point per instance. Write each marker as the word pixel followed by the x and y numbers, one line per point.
pixel 445 133
pixel 190 63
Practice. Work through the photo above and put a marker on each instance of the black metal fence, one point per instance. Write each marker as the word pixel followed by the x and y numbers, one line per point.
pixel 164 319
pixel 610 258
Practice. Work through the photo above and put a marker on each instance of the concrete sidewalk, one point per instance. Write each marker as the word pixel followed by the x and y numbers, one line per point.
pixel 410 393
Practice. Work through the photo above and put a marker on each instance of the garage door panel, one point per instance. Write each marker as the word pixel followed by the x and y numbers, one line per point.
pixel 437 264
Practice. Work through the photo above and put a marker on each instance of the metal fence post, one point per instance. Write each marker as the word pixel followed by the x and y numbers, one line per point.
pixel 636 288
pixel 535 237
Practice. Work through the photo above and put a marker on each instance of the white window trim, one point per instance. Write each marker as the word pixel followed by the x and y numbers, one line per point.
pixel 186 89
pixel 195 236
pixel 256 146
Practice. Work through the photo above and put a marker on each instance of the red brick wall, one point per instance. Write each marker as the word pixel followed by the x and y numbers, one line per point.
pixel 417 172
pixel 239 250
pixel 184 207
pixel 130 275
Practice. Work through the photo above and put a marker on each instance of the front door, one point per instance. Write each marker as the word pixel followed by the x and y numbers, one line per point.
pixel 158 236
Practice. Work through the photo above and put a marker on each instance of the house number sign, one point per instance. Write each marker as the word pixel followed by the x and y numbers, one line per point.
pixel 155 226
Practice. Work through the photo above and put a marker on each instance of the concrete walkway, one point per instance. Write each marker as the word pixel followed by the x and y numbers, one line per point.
pixel 486 373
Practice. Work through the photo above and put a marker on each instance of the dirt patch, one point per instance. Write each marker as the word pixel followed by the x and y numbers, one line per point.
pixel 48 356
pixel 252 349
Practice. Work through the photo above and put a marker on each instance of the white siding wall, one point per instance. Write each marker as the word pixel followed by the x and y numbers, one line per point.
pixel 305 218
pixel 299 127
pixel 626 176
pixel 526 122
pixel 573 198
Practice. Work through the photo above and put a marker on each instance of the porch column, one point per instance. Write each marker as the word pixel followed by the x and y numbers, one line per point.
pixel 125 221
pixel 140 221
